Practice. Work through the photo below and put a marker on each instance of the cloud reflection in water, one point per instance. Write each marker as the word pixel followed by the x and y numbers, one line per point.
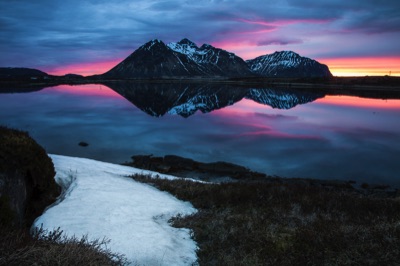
pixel 322 139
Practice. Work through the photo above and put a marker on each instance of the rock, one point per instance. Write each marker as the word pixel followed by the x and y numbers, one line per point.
pixel 26 177
pixel 83 144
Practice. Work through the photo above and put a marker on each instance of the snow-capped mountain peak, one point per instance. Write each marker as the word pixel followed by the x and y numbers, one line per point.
pixel 206 46
pixel 211 59
pixel 186 41
pixel 186 47
pixel 149 45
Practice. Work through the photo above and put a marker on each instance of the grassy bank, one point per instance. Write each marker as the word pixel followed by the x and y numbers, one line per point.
pixel 288 223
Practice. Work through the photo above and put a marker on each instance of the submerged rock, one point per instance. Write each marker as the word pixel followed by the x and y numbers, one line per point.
pixel 83 144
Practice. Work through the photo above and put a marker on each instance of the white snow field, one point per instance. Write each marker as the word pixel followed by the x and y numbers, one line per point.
pixel 100 201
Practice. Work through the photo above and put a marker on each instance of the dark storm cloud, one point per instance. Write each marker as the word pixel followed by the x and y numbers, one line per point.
pixel 52 32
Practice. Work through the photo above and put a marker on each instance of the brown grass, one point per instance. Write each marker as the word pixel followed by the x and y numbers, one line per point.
pixel 287 224
pixel 17 247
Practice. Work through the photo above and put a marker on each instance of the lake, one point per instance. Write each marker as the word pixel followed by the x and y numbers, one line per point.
pixel 280 132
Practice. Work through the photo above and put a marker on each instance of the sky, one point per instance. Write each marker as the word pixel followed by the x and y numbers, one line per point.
pixel 354 38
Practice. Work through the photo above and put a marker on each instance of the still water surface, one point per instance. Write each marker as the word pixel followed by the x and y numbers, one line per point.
pixel 330 137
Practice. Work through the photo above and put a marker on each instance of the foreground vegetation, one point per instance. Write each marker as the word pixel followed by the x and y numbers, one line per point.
pixel 251 222
pixel 19 248
pixel 260 223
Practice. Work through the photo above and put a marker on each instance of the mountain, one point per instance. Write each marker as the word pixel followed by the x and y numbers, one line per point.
pixel 185 59
pixel 21 73
pixel 158 99
pixel 287 64
pixel 217 61
pixel 155 59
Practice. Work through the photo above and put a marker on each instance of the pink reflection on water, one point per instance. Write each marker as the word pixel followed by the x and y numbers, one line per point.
pixel 279 135
pixel 93 90
pixel 251 119
pixel 327 118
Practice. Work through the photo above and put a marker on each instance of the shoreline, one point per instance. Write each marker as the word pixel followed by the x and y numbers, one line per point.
pixel 223 172
pixel 384 87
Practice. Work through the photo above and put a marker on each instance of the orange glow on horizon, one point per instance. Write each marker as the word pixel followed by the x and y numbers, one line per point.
pixel 367 66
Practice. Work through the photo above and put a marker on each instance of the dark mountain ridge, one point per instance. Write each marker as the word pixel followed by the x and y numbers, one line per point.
pixel 21 72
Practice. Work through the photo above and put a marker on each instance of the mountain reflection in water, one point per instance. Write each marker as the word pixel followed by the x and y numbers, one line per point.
pixel 304 134
pixel 186 99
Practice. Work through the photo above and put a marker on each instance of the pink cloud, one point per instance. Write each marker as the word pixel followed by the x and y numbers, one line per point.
pixel 283 22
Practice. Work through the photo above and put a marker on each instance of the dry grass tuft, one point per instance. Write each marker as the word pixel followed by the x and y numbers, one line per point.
pixel 45 248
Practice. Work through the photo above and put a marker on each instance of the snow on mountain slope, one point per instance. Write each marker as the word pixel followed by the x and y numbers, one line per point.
pixel 101 202
pixel 206 54
pixel 217 61
pixel 188 48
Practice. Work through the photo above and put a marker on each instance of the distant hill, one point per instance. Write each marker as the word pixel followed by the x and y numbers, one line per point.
pixel 287 64
pixel 21 73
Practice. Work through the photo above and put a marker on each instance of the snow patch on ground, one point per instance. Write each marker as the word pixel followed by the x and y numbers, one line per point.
pixel 100 201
